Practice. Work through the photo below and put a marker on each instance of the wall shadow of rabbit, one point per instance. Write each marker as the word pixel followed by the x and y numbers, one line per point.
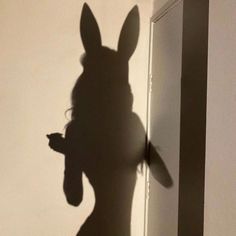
pixel 104 139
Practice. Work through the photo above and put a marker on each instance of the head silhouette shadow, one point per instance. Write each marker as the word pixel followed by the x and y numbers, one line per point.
pixel 104 139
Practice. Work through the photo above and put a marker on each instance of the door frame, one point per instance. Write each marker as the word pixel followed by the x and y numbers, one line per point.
pixel 157 16
pixel 193 114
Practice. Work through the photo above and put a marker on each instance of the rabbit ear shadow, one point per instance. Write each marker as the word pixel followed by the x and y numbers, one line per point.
pixel 129 34
pixel 89 30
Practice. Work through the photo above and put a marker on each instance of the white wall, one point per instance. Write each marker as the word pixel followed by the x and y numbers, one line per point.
pixel 39 63
pixel 220 189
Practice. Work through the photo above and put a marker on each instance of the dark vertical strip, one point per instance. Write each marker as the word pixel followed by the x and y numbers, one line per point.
pixel 193 118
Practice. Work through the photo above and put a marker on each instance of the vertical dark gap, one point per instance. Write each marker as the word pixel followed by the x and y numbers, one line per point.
pixel 193 117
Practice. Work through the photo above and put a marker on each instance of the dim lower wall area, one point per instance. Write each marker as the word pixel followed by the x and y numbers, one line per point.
pixel 220 189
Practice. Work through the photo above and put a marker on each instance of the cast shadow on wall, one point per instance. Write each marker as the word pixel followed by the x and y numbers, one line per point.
pixel 105 139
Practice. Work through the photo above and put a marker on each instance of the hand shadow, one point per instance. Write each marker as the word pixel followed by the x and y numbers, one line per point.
pixel 158 168
pixel 104 139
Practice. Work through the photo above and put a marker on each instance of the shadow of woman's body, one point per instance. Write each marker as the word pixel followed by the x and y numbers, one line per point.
pixel 106 142
pixel 104 139
pixel 108 154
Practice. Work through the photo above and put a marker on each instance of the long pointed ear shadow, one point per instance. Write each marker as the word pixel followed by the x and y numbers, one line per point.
pixel 129 34
pixel 89 30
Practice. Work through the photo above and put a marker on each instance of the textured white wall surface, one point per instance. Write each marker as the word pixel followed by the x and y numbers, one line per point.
pixel 40 51
pixel 220 189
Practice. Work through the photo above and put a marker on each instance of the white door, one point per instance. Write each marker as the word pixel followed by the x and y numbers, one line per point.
pixel 164 121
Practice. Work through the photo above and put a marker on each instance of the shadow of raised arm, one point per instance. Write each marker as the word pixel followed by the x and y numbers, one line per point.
pixel 158 168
